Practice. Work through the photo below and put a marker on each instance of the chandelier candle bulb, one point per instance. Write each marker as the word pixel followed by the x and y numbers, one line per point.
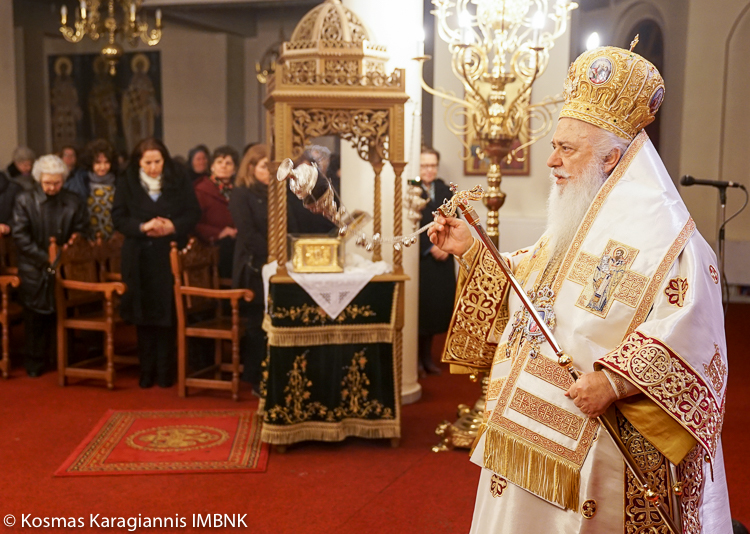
pixel 64 15
pixel 83 9
pixel 132 11
pixel 538 24
pixel 158 18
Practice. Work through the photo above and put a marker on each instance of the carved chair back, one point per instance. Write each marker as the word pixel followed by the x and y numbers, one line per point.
pixel 79 262
pixel 197 264
pixel 110 255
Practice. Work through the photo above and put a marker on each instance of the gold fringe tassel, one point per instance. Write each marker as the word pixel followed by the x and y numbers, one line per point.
pixel 288 434
pixel 480 433
pixel 551 478
pixel 326 335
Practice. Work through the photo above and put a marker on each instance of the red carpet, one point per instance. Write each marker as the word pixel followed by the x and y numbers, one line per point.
pixel 354 487
pixel 736 434
pixel 184 441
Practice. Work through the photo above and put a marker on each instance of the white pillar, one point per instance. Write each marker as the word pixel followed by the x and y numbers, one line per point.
pixel 400 35
pixel 8 102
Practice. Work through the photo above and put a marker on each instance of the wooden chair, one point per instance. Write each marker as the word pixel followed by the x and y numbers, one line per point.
pixel 8 255
pixel 85 300
pixel 109 256
pixel 10 311
pixel 197 293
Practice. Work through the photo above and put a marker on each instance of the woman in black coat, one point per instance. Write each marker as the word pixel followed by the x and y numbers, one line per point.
pixel 41 213
pixel 154 205
pixel 249 208
pixel 437 278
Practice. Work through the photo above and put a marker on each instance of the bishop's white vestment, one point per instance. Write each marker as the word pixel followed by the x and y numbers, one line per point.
pixel 637 294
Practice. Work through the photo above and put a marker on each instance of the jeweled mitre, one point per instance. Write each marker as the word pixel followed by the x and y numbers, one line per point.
pixel 614 89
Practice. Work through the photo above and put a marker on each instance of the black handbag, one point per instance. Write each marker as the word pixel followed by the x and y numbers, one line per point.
pixel 43 299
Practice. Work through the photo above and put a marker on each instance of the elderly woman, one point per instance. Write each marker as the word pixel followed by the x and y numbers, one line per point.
pixel 95 184
pixel 154 205
pixel 213 193
pixel 249 209
pixel 41 213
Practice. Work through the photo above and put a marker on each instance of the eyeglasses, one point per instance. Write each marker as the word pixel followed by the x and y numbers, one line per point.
pixel 428 166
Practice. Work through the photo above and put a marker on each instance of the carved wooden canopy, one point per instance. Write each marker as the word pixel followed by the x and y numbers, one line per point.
pixel 331 80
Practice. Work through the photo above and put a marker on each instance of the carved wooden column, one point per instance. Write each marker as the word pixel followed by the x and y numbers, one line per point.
pixel 377 215
pixel 398 216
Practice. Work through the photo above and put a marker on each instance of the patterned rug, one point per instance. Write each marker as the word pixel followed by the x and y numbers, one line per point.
pixel 170 441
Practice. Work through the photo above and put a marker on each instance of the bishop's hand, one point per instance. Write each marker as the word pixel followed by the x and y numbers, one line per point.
pixel 451 235
pixel 592 393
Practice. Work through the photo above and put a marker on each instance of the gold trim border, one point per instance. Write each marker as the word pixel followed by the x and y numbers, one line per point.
pixel 653 287
pixel 718 415
pixel 295 336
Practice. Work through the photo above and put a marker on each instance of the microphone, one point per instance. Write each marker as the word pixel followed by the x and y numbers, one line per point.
pixel 689 180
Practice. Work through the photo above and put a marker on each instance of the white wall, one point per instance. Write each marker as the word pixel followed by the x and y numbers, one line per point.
pixel 522 217
pixel 270 32
pixel 712 125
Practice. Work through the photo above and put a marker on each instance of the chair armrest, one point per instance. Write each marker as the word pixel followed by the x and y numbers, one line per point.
pixel 113 277
pixel 228 294
pixel 9 280
pixel 99 287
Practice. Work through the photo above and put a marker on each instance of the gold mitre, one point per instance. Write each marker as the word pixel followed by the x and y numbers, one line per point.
pixel 614 89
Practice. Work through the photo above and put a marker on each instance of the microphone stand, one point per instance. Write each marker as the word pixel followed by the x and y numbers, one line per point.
pixel 723 202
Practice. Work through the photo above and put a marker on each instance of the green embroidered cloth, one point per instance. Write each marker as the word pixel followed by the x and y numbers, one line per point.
pixel 326 379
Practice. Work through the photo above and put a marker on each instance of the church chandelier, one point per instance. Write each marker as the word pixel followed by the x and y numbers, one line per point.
pixel 498 48
pixel 92 18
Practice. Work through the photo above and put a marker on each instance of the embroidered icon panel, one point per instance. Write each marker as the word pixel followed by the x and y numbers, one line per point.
pixel 676 290
pixel 607 277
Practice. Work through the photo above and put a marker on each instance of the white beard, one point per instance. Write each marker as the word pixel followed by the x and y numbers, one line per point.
pixel 568 203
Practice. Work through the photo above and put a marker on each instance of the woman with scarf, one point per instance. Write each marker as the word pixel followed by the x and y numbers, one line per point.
pixel 94 182
pixel 249 209
pixel 154 205
pixel 213 192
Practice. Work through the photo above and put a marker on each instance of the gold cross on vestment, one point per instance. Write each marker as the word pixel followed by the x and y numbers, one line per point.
pixel 607 277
